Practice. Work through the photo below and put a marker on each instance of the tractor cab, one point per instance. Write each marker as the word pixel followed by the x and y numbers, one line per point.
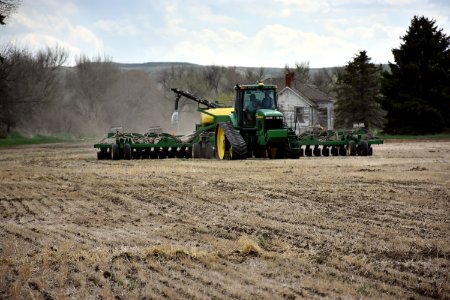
pixel 254 101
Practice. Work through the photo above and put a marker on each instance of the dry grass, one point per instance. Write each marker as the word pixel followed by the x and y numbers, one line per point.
pixel 72 227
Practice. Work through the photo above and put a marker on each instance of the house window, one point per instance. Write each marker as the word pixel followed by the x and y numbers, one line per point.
pixel 299 114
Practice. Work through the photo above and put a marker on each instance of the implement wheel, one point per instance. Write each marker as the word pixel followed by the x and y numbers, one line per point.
pixel 127 152
pixel 352 148
pixel 308 151
pixel 115 151
pixel 100 155
pixel 364 148
pixel 334 151
pixel 188 152
pixel 196 151
pixel 316 151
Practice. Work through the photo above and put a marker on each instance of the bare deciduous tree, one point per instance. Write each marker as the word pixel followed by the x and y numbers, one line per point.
pixel 89 84
pixel 26 82
pixel 212 75
pixel 301 71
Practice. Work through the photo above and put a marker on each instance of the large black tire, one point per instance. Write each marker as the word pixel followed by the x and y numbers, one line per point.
pixel 229 142
pixel 100 155
pixel 115 152
pixel 316 151
pixel 196 151
pixel 364 148
pixel 127 152
pixel 308 151
pixel 209 151
pixel 180 152
pixel 162 154
pixel 172 152
pixel 188 152
pixel 352 148
pixel 370 153
pixel 325 151
pixel 145 153
pixel 334 151
pixel 342 151
pixel 154 153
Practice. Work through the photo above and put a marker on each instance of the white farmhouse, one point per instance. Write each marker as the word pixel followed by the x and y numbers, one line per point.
pixel 303 105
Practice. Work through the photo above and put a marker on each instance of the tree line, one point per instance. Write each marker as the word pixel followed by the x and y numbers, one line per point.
pixel 42 95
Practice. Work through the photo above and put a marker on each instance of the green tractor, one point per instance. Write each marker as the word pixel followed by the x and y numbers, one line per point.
pixel 252 128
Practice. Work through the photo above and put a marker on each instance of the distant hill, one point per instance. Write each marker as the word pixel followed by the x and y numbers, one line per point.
pixel 153 67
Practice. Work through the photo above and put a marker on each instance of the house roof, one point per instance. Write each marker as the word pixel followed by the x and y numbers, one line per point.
pixel 300 95
pixel 308 91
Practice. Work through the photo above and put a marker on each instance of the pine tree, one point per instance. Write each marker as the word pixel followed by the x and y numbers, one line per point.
pixel 358 90
pixel 417 88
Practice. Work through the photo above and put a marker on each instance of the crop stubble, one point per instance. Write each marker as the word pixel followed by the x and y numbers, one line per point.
pixel 338 227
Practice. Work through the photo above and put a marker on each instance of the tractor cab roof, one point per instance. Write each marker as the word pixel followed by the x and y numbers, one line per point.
pixel 258 86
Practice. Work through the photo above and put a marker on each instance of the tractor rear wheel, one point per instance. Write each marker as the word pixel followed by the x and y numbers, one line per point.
pixel 229 142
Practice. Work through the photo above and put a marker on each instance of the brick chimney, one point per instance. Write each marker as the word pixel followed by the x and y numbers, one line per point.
pixel 289 79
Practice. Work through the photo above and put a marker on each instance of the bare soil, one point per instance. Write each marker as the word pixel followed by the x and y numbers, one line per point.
pixel 72 227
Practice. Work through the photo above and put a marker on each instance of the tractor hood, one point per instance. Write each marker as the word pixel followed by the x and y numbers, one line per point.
pixel 261 113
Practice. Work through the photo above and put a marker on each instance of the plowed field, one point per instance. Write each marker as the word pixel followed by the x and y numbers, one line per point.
pixel 72 227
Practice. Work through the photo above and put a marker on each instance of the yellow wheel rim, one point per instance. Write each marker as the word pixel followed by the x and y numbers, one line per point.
pixel 220 142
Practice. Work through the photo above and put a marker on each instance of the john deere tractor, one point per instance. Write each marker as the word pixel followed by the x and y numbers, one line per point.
pixel 252 128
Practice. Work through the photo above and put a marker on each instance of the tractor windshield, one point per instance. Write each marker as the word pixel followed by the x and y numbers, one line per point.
pixel 255 99
pixel 259 99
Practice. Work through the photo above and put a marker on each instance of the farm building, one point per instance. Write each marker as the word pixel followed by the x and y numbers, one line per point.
pixel 303 105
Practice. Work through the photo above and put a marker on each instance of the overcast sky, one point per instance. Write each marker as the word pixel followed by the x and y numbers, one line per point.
pixel 269 33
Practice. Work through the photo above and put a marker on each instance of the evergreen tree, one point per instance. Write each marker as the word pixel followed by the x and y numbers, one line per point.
pixel 358 90
pixel 417 88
